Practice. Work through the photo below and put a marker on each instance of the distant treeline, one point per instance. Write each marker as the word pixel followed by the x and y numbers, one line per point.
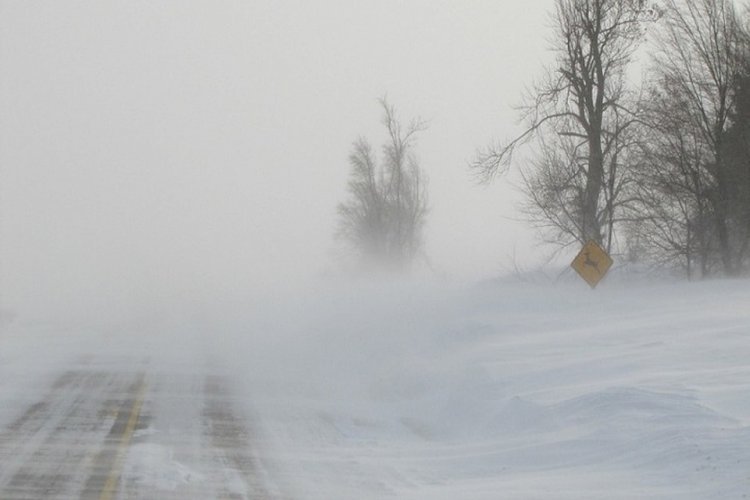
pixel 658 171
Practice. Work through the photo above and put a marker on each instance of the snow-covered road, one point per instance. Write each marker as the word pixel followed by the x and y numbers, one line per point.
pixel 105 430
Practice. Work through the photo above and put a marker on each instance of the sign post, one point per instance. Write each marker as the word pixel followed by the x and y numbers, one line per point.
pixel 592 263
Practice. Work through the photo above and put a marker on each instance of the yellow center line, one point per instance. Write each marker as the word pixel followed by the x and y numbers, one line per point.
pixel 108 490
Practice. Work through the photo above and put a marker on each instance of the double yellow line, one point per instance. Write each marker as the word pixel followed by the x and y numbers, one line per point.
pixel 110 486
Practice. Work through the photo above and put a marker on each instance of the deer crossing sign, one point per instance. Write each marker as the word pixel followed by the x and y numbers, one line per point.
pixel 592 263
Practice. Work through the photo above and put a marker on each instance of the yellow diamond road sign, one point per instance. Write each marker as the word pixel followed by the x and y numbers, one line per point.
pixel 592 263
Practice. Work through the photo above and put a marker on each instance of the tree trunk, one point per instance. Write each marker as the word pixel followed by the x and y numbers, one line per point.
pixel 591 229
pixel 721 209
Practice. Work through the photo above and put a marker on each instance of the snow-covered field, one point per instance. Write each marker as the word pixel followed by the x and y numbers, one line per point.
pixel 504 390
pixel 507 391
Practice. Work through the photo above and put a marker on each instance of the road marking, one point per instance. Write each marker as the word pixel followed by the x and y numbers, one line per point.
pixel 108 490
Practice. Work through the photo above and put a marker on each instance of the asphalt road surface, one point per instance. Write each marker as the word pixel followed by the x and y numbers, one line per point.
pixel 105 434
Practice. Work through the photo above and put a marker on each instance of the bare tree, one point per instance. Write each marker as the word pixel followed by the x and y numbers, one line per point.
pixel 387 207
pixel 697 65
pixel 554 190
pixel 737 155
pixel 581 107
pixel 362 219
pixel 670 220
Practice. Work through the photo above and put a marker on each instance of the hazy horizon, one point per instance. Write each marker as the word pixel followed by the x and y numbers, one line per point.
pixel 152 150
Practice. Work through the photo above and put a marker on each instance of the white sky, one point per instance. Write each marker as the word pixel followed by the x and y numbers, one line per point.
pixel 150 148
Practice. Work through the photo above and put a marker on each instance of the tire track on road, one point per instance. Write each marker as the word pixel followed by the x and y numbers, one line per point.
pixel 48 451
pixel 24 454
pixel 231 438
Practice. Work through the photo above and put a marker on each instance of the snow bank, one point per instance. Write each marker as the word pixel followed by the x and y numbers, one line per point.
pixel 504 390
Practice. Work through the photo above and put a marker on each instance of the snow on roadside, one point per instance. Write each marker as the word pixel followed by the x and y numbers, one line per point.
pixel 411 391
pixel 522 391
